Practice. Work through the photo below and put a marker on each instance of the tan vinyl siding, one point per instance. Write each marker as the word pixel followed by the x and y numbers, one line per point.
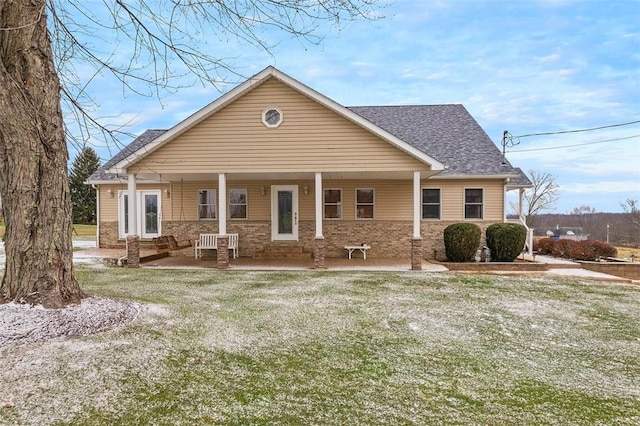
pixel 184 199
pixel 311 137
pixel 393 198
pixel 109 205
pixel 452 197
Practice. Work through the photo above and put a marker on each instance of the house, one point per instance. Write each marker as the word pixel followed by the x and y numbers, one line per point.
pixel 575 233
pixel 280 164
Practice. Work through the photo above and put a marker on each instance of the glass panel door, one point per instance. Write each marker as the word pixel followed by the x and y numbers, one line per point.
pixel 149 214
pixel 284 212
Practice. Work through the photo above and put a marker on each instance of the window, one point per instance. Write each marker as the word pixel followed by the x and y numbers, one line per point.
pixel 430 203
pixel 333 203
pixel 272 117
pixel 238 204
pixel 473 199
pixel 124 197
pixel 364 203
pixel 206 204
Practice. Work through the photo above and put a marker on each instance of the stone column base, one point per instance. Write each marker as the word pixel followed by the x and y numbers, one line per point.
pixel 416 254
pixel 319 251
pixel 133 251
pixel 223 251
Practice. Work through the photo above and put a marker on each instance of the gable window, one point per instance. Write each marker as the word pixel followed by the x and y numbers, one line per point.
pixel 473 203
pixel 333 203
pixel 206 204
pixel 238 204
pixel 364 203
pixel 430 203
pixel 272 117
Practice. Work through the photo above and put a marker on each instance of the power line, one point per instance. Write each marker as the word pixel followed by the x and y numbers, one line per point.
pixel 574 145
pixel 578 130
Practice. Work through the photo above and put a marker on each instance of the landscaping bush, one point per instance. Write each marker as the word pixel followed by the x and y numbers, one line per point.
pixel 544 245
pixel 594 250
pixel 564 248
pixel 461 241
pixel 506 241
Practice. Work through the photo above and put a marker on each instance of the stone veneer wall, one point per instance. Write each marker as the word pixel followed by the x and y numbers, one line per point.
pixel 386 238
pixel 624 270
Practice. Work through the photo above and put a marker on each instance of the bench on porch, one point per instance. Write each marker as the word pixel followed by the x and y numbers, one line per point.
pixel 363 249
pixel 210 242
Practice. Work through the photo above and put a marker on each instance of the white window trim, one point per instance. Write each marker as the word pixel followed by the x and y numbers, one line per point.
pixel 215 210
pixel 422 204
pixel 139 197
pixel 246 193
pixel 264 119
pixel 341 204
pixel 356 204
pixel 464 203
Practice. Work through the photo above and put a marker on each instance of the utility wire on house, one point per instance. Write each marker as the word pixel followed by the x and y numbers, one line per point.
pixel 578 130
pixel 574 145
pixel 509 140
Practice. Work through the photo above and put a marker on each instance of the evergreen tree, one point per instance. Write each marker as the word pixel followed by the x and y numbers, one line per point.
pixel 83 196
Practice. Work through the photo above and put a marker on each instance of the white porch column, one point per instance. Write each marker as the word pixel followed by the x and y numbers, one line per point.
pixel 416 204
pixel 319 213
pixel 222 204
pixel 520 201
pixel 133 204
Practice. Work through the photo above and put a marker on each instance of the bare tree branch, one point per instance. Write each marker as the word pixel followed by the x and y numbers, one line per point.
pixel 541 196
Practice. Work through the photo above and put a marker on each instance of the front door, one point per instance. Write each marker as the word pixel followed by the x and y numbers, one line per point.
pixel 149 214
pixel 148 210
pixel 284 212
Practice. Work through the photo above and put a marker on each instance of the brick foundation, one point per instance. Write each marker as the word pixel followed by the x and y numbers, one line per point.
pixel 133 251
pixel 416 254
pixel 388 239
pixel 319 253
pixel 223 252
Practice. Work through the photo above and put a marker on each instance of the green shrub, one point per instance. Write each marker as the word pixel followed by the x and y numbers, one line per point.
pixel 461 241
pixel 506 241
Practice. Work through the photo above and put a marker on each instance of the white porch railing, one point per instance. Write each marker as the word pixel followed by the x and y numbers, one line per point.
pixel 528 243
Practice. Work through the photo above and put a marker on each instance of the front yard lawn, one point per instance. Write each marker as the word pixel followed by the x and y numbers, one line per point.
pixel 337 348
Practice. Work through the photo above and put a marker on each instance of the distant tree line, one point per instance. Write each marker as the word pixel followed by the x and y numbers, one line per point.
pixel 621 231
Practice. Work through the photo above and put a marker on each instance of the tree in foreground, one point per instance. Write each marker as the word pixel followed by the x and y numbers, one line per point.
pixel 83 196
pixel 38 63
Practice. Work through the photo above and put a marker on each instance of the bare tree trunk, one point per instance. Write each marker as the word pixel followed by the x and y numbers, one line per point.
pixel 33 163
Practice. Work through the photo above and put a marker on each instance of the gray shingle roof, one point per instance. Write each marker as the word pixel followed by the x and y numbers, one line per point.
pixel 447 133
pixel 139 142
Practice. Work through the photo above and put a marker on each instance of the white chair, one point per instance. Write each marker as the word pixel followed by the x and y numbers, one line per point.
pixel 233 244
pixel 206 242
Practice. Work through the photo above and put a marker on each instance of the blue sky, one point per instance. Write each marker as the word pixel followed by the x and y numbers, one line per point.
pixel 527 67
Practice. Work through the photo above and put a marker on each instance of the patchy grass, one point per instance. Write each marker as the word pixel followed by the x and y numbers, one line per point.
pixel 264 348
pixel 78 230
pixel 84 231
pixel 626 252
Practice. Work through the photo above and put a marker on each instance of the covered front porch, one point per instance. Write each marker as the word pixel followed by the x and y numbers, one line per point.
pixel 322 212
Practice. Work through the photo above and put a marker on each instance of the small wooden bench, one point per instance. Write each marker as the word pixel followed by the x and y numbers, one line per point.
pixel 210 242
pixel 363 249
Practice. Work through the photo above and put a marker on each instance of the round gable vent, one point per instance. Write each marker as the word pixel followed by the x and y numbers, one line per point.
pixel 272 117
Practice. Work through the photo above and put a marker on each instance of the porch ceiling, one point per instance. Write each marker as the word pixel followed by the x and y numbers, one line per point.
pixel 279 176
